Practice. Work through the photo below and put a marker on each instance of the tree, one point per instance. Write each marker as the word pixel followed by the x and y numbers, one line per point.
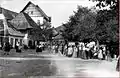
pixel 101 26
pixel 81 25
pixel 104 3
pixel 107 29
pixel 106 20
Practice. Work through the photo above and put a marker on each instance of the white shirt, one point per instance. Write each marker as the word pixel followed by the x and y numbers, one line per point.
pixel 104 49
pixel 87 49
pixel 17 44
pixel 70 50
pixel 91 44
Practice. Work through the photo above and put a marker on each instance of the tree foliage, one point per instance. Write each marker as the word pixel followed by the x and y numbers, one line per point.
pixel 101 25
pixel 86 24
pixel 106 20
pixel 80 25
pixel 104 3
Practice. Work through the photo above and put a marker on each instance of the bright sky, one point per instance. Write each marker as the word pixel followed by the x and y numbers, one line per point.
pixel 59 10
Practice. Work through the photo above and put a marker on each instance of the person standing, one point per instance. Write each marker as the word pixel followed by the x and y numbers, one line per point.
pixel 75 49
pixel 18 48
pixel 70 51
pixel 53 48
pixel 87 52
pixel 0 46
pixel 95 52
pixel 62 48
pixel 108 56
pixel 100 55
pixel 80 54
pixel 65 50
pixel 77 54
pixel 6 48
pixel 38 48
pixel 57 48
pixel 83 52
pixel 104 52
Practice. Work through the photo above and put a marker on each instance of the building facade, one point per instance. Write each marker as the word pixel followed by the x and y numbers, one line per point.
pixel 7 31
pixel 37 14
pixel 24 27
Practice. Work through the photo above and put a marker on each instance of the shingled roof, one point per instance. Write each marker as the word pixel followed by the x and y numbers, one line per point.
pixel 9 15
pixel 23 21
pixel 38 8
pixel 11 31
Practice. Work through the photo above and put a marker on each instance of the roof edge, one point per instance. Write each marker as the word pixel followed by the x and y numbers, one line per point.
pixel 26 6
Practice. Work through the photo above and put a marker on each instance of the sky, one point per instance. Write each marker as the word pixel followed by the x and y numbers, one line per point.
pixel 58 10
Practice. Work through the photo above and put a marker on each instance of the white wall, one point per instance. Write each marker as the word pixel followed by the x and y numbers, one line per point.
pixel 2 16
pixel 38 18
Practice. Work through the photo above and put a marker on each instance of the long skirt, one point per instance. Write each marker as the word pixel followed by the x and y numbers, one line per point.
pixel 74 54
pixel 87 55
pixel 83 55
pixel 18 49
pixel 100 55
pixel 53 51
pixel 80 53
pixel 69 55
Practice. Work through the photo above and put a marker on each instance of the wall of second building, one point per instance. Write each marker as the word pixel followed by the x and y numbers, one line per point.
pixel 30 43
pixel 13 40
pixel 34 13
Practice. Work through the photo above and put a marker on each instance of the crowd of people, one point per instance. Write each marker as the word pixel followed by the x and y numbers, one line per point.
pixel 7 47
pixel 89 50
pixel 18 47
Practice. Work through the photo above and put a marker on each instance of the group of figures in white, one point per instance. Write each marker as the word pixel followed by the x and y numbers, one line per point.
pixel 83 50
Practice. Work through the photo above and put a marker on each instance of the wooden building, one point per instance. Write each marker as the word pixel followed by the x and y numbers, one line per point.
pixel 37 14
pixel 25 26
pixel 7 30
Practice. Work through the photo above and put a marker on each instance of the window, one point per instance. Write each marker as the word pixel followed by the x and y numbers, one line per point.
pixel 38 22
pixel 32 12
